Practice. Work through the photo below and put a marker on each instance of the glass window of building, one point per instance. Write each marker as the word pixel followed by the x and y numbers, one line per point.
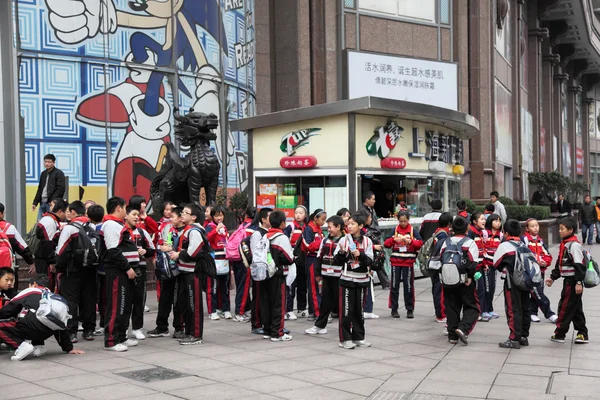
pixel 578 128
pixel 503 36
pixel 423 10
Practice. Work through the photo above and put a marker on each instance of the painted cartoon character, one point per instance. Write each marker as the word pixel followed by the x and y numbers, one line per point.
pixel 138 104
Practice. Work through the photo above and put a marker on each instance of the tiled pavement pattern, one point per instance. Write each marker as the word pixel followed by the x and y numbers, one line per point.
pixel 410 359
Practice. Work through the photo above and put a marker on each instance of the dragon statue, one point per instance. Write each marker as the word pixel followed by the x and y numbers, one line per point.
pixel 180 179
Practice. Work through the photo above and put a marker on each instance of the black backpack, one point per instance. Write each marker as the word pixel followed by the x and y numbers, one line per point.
pixel 88 242
pixel 205 265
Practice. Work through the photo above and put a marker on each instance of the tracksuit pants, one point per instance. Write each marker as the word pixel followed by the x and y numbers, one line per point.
pixel 15 331
pixel 368 304
pixel 189 301
pixel 314 297
pixel 516 305
pixel 168 301
pixel 407 275
pixel 119 294
pixel 101 297
pixel 298 289
pixel 329 299
pixel 486 287
pixel 539 299
pixel 570 308
pixel 457 299
pixel 42 267
pixel 351 319
pixel 272 305
pixel 79 289
pixel 243 281
pixel 139 300
pixel 218 287
pixel 255 317
pixel 437 292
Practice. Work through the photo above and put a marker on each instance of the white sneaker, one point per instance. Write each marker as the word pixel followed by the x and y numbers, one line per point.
pixel 302 314
pixel 238 318
pixel 535 318
pixel 445 331
pixel 362 343
pixel 347 345
pixel 146 309
pixel 99 332
pixel 80 327
pixel 22 351
pixel 329 319
pixel 130 343
pixel 117 347
pixel 227 315
pixel 40 351
pixel 315 330
pixel 138 334
pixel 291 316
pixel 370 315
pixel 284 338
pixel 214 316
pixel 553 318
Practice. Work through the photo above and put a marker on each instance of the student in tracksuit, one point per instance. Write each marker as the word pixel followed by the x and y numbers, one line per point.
pixel 375 237
pixel 492 237
pixel 355 252
pixel 405 244
pixel 462 297
pixel 441 234
pixel 570 266
pixel 516 301
pixel 48 231
pixel 262 225
pixel 78 282
pixel 218 287
pixel 7 280
pixel 298 288
pixel 120 254
pixel 242 276
pixel 189 251
pixel 273 296
pixel 19 246
pixel 330 272
pixel 146 250
pixel 311 241
pixel 476 229
pixel 95 213
pixel 168 241
pixel 19 326
pixel 538 247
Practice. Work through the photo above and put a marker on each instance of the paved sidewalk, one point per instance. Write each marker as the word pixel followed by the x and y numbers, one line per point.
pixel 410 359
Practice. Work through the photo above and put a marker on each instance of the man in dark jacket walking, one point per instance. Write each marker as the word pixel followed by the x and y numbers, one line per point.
pixel 588 219
pixel 51 186
pixel 373 228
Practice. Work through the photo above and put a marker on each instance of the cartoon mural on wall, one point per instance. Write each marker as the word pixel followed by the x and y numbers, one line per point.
pixel 129 63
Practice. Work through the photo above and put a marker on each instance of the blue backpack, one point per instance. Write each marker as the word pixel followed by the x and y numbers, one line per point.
pixel 452 271
pixel 527 274
pixel 166 268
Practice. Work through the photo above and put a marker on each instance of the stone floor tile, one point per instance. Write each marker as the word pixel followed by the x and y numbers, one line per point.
pixel 231 374
pixel 23 390
pixel 315 392
pixel 272 384
pixel 323 376
pixel 361 386
pixel 82 381
pixel 434 386
pixel 220 391
pixel 111 392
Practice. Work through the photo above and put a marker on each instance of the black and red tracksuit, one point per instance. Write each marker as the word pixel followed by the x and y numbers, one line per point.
pixel 516 301
pixel 476 235
pixel 273 296
pixel 403 262
pixel 142 240
pixel 18 324
pixel 570 265
pixel 242 277
pixel 48 231
pixel 19 246
pixel 168 288
pixel 217 293
pixel 311 241
pixel 120 254
pixel 491 241
pixel 538 298
pixel 330 273
pixel 298 288
pixel 189 299
pixel 354 281
pixel 437 290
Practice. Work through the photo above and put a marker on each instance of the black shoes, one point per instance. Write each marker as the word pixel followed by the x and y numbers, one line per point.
pixel 524 341
pixel 154 333
pixel 73 337
pixel 410 314
pixel 88 335
pixel 511 344
pixel 395 314
pixel 462 336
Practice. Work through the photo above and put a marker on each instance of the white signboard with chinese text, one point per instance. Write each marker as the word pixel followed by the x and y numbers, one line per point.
pixel 400 78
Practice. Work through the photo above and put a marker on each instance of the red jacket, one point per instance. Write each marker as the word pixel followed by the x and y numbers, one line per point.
pixel 476 235
pixel 294 232
pixel 217 240
pixel 404 255
pixel 491 241
pixel 311 239
pixel 538 247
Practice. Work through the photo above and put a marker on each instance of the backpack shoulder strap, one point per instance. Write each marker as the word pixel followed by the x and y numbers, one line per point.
pixel 461 242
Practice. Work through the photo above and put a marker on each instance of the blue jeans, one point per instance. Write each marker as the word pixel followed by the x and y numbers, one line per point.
pixel 368 307
pixel 43 209
pixel 585 229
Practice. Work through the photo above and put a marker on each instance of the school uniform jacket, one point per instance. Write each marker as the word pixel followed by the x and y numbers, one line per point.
pixel 142 239
pixel 476 235
pixel 311 239
pixel 571 262
pixel 120 251
pixel 217 241
pixel 356 271
pixel 504 258
pixel 16 241
pixel 538 247
pixel 190 247
pixel 294 232
pixel 429 224
pixel 48 231
pixel 491 241
pixel 404 255
pixel 68 242
pixel 470 253
pixel 326 261
pixel 281 251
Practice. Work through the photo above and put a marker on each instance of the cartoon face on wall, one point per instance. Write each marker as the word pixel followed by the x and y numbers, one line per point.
pixel 176 53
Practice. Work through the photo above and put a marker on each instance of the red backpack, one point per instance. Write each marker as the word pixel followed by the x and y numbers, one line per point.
pixel 7 258
pixel 232 249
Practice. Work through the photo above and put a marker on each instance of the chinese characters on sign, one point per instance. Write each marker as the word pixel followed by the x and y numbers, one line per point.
pixel 393 163
pixel 384 140
pixel 409 79
pixel 298 162
pixel 440 147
